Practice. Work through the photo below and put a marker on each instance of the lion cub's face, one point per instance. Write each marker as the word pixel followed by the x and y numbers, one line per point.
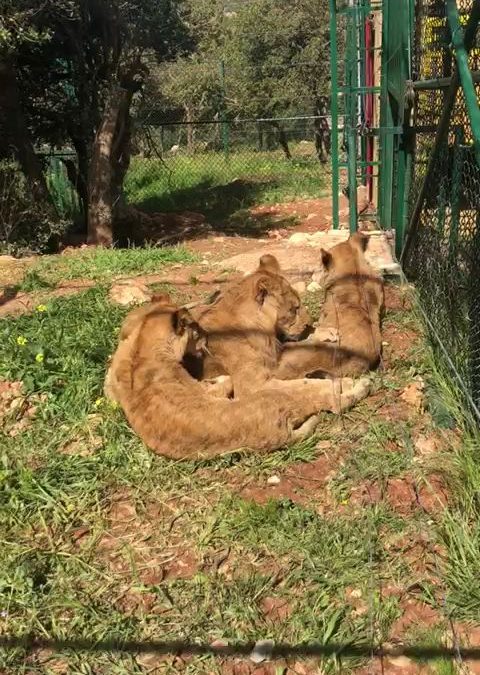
pixel 280 300
pixel 169 330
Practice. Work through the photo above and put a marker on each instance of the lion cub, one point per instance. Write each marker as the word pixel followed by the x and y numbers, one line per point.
pixel 352 315
pixel 177 418
pixel 220 386
pixel 244 325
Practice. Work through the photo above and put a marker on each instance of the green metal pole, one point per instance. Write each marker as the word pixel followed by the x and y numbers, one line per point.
pixel 334 112
pixel 361 14
pixel 351 111
pixel 461 56
pixel 225 129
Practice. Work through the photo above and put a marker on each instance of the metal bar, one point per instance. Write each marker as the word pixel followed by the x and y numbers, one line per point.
pixel 344 165
pixel 361 90
pixel 334 114
pixel 362 76
pixel 241 121
pixel 442 129
pixel 386 120
pixel 441 82
pixel 461 56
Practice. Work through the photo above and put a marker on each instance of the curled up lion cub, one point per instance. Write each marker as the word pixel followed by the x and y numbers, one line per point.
pixel 176 417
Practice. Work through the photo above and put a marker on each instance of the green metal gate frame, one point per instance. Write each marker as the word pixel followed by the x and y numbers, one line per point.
pixel 354 13
pixel 397 92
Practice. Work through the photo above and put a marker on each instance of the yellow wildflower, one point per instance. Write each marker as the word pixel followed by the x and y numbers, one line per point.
pixel 39 358
pixel 22 341
pixel 41 308
pixel 98 402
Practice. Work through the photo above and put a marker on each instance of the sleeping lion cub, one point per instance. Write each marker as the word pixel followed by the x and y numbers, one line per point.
pixel 176 417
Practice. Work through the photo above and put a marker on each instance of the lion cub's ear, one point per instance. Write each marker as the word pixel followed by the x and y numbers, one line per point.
pixel 327 258
pixel 268 263
pixel 181 319
pixel 262 289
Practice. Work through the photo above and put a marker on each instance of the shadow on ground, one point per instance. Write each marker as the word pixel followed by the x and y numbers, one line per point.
pixel 225 207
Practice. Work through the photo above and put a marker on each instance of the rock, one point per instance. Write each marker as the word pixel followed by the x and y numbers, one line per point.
pixel 311 215
pixel 313 287
pixel 273 480
pixel 323 445
pixel 207 278
pixel 262 651
pixel 299 238
pixel 426 445
pixel 129 292
pixel 413 394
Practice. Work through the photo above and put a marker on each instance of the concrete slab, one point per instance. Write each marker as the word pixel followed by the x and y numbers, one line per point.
pixel 299 256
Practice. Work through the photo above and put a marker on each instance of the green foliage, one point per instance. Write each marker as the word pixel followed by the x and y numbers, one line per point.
pixel 275 53
pixel 24 227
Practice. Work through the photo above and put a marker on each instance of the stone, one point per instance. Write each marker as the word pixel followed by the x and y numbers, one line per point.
pixel 129 292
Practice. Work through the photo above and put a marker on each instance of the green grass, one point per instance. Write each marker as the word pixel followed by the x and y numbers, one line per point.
pixel 221 187
pixel 75 564
pixel 102 264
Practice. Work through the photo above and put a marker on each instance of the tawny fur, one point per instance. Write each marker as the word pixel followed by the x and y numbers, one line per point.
pixel 243 326
pixel 177 418
pixel 220 386
pixel 353 310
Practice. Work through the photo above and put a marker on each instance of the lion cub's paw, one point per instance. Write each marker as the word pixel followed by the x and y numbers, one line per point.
pixel 306 429
pixel 348 392
pixel 220 387
pixel 324 334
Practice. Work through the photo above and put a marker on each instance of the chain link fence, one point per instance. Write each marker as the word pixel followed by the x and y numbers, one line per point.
pixel 442 255
pixel 218 166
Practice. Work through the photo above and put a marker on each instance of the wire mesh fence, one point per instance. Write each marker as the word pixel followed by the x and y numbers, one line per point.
pixel 443 250
pixel 197 166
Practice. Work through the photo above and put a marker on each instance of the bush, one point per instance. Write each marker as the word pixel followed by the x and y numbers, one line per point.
pixel 25 227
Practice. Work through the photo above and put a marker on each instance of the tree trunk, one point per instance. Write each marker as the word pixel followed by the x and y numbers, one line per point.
pixel 100 179
pixel 122 151
pixel 282 139
pixel 322 130
pixel 18 135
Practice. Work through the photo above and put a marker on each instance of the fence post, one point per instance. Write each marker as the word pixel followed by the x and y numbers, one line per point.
pixel 334 112
pixel 225 128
